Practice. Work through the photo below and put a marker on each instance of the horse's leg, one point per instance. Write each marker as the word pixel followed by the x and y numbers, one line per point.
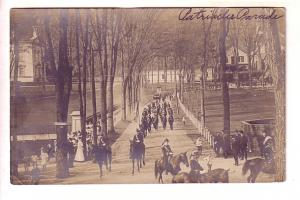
pixel 161 180
pixel 110 158
pixel 100 168
pixel 138 164
pixel 105 160
pixel 144 157
pixel 132 166
pixel 254 176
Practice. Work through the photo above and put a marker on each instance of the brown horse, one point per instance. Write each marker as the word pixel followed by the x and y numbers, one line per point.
pixel 173 166
pixel 215 176
pixel 137 152
pixel 192 177
pixel 256 166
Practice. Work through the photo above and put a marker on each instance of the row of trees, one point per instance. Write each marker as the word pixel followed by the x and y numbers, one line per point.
pixel 95 44
pixel 86 46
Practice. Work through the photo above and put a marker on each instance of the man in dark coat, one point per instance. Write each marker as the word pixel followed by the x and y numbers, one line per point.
pixel 226 144
pixel 71 152
pixel 244 145
pixel 235 148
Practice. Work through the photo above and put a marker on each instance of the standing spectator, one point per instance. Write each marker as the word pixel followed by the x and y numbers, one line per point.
pixel 225 143
pixel 208 160
pixel 49 151
pixel 79 152
pixel 44 158
pixel 71 153
pixel 217 145
pixel 199 145
pixel 183 120
pixel 35 175
pixel 268 148
pixel 244 145
pixel 235 148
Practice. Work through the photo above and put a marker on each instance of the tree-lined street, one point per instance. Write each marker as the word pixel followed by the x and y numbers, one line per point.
pixel 114 74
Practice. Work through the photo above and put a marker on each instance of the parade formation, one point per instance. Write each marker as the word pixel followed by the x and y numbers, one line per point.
pixel 102 95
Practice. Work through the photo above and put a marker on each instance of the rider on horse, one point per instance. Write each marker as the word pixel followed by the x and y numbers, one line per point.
pixel 102 142
pixel 137 138
pixel 166 149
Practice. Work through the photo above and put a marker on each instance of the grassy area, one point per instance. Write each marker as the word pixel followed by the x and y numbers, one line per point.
pixel 245 104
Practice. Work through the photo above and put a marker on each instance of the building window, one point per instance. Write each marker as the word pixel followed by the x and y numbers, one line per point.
pixel 241 58
pixel 22 70
pixel 232 59
pixel 163 76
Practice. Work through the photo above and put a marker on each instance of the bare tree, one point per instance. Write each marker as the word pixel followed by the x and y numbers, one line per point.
pixel 225 90
pixel 115 29
pixel 278 74
pixel 63 88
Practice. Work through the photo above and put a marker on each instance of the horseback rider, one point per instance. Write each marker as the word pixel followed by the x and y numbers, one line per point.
pixel 137 138
pixel 102 142
pixel 166 149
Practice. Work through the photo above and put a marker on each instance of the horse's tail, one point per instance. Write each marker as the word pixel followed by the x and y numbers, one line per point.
pixel 246 167
pixel 156 169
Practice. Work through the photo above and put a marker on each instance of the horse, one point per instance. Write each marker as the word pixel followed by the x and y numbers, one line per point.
pixel 256 166
pixel 103 155
pixel 173 166
pixel 215 176
pixel 137 152
pixel 192 176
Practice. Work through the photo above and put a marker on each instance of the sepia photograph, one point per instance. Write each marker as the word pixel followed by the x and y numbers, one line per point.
pixel 147 95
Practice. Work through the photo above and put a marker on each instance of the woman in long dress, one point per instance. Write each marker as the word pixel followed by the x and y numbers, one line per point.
pixel 44 158
pixel 79 157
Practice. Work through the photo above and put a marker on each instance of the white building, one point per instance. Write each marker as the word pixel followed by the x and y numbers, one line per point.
pixel 30 59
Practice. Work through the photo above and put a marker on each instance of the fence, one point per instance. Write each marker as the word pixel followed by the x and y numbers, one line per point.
pixel 204 131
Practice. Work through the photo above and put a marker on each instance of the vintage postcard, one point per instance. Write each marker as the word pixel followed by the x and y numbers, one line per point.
pixel 147 95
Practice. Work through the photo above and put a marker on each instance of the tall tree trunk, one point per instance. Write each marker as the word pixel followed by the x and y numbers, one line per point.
pixel 225 90
pixel 129 84
pixel 158 70
pixel 81 108
pixel 63 89
pixel 84 80
pixel 250 68
pixel 166 70
pixel 110 105
pixel 103 106
pixel 278 73
pixel 14 113
pixel 202 102
pixel 124 87
pixel 94 98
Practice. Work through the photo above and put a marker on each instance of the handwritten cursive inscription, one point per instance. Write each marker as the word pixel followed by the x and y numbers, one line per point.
pixel 187 14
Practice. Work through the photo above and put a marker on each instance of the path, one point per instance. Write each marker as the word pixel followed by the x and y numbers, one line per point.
pixel 181 140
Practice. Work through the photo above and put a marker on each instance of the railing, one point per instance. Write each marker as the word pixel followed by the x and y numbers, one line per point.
pixel 204 131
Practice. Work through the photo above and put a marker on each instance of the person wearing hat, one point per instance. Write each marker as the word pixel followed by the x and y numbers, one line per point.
pixel 136 137
pixel 102 143
pixel 268 147
pixel 198 144
pixel 243 145
pixel 194 164
pixel 166 149
pixel 235 148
